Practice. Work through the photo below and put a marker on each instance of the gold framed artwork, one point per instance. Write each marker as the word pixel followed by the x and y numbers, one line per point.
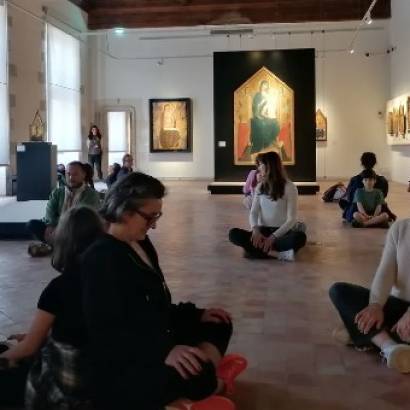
pixel 37 128
pixel 397 121
pixel 263 118
pixel 170 125
pixel 321 126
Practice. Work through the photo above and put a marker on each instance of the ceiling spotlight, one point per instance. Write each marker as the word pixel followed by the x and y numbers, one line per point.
pixel 160 62
pixel 368 18
pixel 351 51
pixel 119 30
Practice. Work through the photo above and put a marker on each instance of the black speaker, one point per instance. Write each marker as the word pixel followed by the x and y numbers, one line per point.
pixel 36 170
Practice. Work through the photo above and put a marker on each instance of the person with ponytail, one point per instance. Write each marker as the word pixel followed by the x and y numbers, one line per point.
pixel 275 230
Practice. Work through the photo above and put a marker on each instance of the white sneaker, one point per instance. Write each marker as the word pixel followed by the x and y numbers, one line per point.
pixel 397 357
pixel 288 256
pixel 341 335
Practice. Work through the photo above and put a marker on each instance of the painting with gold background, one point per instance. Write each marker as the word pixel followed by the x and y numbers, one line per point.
pixel 397 121
pixel 170 125
pixel 321 126
pixel 263 118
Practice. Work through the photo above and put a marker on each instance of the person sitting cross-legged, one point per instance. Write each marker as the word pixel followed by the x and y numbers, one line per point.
pixel 273 217
pixel 75 192
pixel 380 317
pixel 369 201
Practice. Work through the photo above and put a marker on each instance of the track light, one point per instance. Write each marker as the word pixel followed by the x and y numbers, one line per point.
pixel 119 31
pixel 351 51
pixel 368 18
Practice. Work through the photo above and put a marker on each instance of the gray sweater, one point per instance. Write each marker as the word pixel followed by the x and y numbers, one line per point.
pixel 393 274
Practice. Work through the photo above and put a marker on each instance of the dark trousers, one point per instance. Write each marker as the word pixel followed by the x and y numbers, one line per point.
pixel 95 161
pixel 291 240
pixel 203 385
pixel 13 383
pixel 169 384
pixel 350 299
pixel 37 228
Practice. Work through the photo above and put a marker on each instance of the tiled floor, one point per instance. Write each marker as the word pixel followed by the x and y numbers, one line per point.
pixel 283 318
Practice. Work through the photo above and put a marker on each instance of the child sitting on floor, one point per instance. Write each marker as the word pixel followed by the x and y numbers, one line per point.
pixel 369 201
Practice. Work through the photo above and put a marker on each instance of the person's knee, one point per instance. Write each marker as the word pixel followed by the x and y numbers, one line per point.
pixel 234 234
pixel 204 384
pixel 32 225
pixel 338 291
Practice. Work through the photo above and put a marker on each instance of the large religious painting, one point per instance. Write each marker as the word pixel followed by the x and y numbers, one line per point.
pixel 263 118
pixel 321 126
pixel 170 125
pixel 397 121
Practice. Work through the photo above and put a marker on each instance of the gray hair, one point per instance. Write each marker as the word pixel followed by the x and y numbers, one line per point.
pixel 129 194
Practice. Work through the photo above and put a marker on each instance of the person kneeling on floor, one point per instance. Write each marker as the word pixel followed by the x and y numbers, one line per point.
pixel 75 192
pixel 368 201
pixel 380 317
pixel 273 217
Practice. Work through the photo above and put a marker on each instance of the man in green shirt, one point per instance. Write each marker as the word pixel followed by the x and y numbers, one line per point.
pixel 369 203
pixel 76 192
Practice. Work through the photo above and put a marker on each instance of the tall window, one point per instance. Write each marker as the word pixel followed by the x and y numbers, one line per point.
pixel 64 94
pixel 4 111
pixel 118 135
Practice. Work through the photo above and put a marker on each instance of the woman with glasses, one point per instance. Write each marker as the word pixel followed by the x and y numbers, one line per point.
pixel 144 351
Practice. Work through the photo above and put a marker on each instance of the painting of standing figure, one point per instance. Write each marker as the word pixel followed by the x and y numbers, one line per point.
pixel 170 125
pixel 263 118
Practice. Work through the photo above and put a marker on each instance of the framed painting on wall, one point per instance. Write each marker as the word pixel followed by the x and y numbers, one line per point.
pixel 321 126
pixel 397 121
pixel 170 125
pixel 263 118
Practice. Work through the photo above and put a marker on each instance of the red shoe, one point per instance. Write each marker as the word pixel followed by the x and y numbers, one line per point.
pixel 213 403
pixel 229 368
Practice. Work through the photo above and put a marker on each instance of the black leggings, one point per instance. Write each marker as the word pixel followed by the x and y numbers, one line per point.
pixel 291 240
pixel 95 160
pixel 350 299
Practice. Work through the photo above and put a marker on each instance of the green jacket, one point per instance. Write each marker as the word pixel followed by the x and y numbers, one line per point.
pixel 55 204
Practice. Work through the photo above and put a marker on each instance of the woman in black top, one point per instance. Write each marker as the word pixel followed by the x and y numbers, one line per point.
pixel 95 149
pixel 57 376
pixel 144 351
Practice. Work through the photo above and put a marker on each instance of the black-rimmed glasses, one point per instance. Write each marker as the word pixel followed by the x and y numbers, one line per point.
pixel 150 219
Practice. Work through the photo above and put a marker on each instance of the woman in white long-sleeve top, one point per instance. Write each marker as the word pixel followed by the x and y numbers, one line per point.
pixel 380 316
pixel 273 217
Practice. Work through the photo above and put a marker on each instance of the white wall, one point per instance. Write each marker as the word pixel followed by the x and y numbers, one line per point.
pixel 400 79
pixel 351 90
pixel 26 55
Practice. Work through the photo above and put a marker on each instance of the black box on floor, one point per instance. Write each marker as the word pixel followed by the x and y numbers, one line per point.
pixel 36 170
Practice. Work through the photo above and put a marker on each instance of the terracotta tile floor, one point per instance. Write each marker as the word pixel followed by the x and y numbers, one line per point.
pixel 283 318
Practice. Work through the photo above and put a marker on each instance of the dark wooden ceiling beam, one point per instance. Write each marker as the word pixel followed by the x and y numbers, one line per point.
pixel 171 13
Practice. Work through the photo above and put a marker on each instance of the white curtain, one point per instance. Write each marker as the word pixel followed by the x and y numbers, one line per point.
pixel 4 106
pixel 64 92
pixel 118 135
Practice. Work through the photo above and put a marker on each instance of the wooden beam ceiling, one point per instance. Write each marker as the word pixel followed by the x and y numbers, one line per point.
pixel 105 14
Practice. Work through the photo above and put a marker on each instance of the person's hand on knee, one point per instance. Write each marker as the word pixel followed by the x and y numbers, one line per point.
pixel 369 317
pixel 257 238
pixel 402 327
pixel 186 360
pixel 268 243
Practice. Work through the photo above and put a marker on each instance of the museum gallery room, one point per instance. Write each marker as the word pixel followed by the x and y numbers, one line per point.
pixel 204 203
